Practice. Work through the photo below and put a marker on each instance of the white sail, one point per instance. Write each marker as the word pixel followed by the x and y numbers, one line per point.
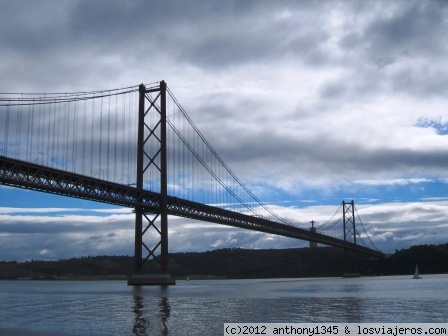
pixel 416 273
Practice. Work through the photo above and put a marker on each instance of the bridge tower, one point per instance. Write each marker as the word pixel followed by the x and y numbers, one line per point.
pixel 152 162
pixel 348 215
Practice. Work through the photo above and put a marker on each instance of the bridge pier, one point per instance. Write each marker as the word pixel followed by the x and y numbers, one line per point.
pixel 151 280
pixel 348 216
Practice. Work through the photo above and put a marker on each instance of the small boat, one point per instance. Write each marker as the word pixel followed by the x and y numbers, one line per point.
pixel 416 273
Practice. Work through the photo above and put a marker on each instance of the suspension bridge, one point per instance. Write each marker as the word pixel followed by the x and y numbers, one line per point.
pixel 137 147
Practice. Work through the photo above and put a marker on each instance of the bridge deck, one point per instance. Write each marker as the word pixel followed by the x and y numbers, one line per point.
pixel 26 175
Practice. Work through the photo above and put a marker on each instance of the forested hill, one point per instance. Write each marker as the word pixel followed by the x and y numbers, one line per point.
pixel 240 263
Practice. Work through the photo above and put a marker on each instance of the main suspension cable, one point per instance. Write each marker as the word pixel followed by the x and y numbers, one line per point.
pixel 221 161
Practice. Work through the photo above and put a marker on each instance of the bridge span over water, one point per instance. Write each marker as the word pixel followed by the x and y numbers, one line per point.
pixel 149 157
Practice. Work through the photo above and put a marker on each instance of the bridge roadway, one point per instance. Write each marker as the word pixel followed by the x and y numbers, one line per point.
pixel 31 176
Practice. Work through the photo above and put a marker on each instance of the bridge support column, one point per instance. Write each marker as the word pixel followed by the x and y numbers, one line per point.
pixel 152 159
pixel 348 215
pixel 313 231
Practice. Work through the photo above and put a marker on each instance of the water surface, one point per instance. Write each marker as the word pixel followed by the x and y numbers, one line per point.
pixel 202 307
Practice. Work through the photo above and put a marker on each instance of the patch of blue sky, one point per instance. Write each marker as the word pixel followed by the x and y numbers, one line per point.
pixel 413 191
pixel 369 192
pixel 20 198
pixel 437 124
pixel 362 192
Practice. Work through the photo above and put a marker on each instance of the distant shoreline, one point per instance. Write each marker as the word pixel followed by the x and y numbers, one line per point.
pixel 238 264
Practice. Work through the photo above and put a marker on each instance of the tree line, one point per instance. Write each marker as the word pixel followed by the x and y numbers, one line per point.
pixel 240 263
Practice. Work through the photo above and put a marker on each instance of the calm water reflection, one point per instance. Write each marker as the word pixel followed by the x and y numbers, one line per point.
pixel 142 325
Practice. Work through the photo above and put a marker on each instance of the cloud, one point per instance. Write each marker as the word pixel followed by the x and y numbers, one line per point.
pixel 389 226
pixel 52 233
pixel 400 225
pixel 393 181
pixel 408 28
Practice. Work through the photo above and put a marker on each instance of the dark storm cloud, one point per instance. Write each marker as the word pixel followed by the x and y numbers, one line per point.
pixel 207 34
pixel 150 28
pixel 414 28
pixel 32 29
pixel 393 47
pixel 212 34
pixel 238 41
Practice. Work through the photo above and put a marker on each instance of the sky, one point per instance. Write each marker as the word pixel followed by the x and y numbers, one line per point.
pixel 308 102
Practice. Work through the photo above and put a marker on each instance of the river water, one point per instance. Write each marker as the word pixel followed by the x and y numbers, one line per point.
pixel 201 307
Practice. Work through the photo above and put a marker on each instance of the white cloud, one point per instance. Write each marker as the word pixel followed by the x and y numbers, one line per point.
pixel 390 182
pixel 390 226
pixel 44 252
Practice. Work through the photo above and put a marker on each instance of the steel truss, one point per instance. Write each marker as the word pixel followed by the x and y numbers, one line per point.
pixel 26 175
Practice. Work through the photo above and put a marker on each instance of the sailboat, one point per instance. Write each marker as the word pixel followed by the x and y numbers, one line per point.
pixel 416 273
